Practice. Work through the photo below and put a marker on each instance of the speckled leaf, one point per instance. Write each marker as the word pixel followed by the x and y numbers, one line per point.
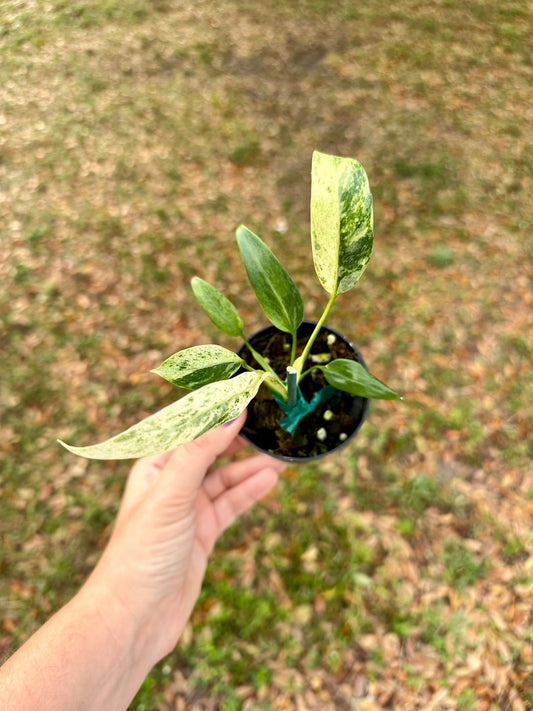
pixel 182 421
pixel 218 307
pixel 195 367
pixel 350 376
pixel 341 221
pixel 276 292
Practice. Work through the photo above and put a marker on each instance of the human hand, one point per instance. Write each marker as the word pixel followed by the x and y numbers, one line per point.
pixel 169 520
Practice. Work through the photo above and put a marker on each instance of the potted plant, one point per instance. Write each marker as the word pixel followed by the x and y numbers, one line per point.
pixel 301 380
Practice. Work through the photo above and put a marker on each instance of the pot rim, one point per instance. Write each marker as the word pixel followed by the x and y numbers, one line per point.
pixel 366 403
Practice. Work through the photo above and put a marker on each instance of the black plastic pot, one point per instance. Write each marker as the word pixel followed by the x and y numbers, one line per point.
pixel 262 429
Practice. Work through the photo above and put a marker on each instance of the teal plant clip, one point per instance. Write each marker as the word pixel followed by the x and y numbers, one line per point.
pixel 296 413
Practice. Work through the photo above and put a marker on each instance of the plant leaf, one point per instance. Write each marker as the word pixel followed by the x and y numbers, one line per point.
pixel 276 292
pixel 353 378
pixel 182 421
pixel 218 307
pixel 195 367
pixel 342 232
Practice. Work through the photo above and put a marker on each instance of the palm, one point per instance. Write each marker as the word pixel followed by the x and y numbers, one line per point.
pixel 184 522
pixel 226 492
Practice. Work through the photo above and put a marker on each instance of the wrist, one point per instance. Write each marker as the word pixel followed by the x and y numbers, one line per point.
pixel 144 627
pixel 90 655
pixel 126 629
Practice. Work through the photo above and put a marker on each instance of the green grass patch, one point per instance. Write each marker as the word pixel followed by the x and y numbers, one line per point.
pixel 462 569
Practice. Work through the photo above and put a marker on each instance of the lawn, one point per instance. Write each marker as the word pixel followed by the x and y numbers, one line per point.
pixel 135 136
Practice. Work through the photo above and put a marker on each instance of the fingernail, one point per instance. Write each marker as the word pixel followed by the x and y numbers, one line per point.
pixel 227 424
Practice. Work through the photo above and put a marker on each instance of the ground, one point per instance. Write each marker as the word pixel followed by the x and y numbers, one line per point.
pixel 135 136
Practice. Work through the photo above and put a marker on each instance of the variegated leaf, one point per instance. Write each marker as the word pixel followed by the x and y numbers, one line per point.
pixel 341 221
pixel 182 421
pixel 218 307
pixel 353 378
pixel 276 292
pixel 195 367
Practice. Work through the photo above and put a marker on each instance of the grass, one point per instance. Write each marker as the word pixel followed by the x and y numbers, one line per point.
pixel 135 137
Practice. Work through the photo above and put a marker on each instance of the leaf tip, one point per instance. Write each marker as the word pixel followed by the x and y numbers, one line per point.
pixel 69 447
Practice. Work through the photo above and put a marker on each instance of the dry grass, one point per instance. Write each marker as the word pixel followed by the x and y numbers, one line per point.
pixel 134 138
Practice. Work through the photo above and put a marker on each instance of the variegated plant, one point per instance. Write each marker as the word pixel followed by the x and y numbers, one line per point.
pixel 342 239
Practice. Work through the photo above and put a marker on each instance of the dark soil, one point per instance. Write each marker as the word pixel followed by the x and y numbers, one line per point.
pixel 262 427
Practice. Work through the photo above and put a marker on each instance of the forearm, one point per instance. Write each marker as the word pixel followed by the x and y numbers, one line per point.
pixel 94 654
pixel 84 658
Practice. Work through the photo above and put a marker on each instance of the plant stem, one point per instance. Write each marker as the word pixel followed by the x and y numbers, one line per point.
pixel 274 377
pixel 280 388
pixel 306 372
pixel 292 386
pixel 248 367
pixel 301 360
pixel 293 349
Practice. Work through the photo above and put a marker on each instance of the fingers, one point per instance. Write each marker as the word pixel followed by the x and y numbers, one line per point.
pixel 140 478
pixel 229 475
pixel 178 475
pixel 238 499
pixel 237 444
pixel 233 488
pixel 194 457
pixel 191 461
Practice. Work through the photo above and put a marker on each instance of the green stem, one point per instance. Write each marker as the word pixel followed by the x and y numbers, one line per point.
pixel 306 372
pixel 320 323
pixel 274 377
pixel 293 349
pixel 249 367
pixel 281 390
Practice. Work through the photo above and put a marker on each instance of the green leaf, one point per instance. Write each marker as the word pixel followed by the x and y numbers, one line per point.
pixel 195 367
pixel 276 292
pixel 342 232
pixel 182 421
pixel 353 378
pixel 218 307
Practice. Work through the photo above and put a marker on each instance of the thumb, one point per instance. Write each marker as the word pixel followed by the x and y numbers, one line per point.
pixel 188 464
